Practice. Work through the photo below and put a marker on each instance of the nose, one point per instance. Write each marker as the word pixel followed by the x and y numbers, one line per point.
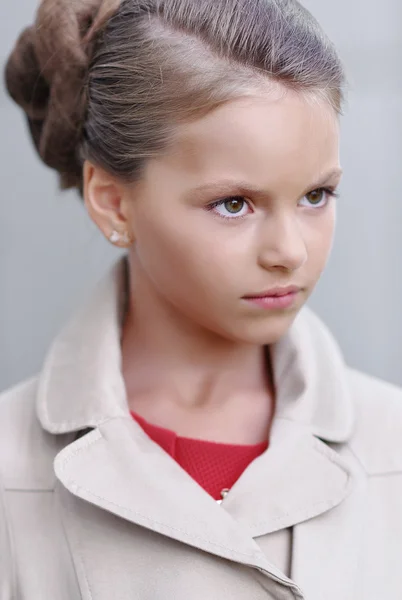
pixel 282 244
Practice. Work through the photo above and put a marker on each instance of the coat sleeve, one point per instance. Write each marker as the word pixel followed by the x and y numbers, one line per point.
pixel 7 570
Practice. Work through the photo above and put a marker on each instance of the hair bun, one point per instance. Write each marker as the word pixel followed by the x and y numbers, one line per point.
pixel 24 82
pixel 46 74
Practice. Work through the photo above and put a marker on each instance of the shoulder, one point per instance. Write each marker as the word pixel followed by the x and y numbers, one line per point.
pixel 20 396
pixel 377 437
pixel 26 450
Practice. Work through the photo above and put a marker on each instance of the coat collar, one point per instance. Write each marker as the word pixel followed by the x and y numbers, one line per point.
pixel 81 384
pixel 312 380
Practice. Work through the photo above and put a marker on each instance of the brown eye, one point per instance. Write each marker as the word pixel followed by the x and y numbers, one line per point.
pixel 234 205
pixel 316 196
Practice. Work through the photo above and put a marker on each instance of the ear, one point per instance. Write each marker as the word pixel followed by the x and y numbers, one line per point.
pixel 106 201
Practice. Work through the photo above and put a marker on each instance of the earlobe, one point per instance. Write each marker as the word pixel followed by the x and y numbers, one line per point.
pixel 104 200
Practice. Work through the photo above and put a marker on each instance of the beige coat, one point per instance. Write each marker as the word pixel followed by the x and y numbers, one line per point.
pixel 91 508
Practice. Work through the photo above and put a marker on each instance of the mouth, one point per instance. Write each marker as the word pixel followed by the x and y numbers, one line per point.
pixel 279 298
pixel 276 292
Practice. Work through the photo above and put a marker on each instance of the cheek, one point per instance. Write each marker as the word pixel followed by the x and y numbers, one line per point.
pixel 183 262
pixel 320 241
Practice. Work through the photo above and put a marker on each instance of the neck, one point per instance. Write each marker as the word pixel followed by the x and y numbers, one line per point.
pixel 172 367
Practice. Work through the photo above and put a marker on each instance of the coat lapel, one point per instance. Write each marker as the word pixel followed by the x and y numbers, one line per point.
pixel 118 469
pixel 297 479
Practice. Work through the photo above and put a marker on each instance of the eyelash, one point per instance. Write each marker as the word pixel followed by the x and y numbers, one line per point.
pixel 329 192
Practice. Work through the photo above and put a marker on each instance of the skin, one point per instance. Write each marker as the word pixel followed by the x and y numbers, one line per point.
pixel 195 352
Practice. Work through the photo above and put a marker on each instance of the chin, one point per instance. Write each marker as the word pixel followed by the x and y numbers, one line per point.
pixel 268 330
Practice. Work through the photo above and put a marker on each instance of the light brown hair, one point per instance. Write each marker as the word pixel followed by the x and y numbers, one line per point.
pixel 108 80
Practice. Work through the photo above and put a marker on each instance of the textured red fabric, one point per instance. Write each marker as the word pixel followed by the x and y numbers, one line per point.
pixel 214 466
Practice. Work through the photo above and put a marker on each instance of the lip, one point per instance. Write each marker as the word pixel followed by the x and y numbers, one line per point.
pixel 275 292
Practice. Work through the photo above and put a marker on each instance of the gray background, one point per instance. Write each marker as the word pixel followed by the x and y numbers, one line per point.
pixel 51 255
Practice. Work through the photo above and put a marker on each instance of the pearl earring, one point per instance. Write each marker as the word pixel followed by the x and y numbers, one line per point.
pixel 114 237
pixel 123 238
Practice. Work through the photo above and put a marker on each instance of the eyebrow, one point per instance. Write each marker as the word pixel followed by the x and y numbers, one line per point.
pixel 325 179
pixel 244 188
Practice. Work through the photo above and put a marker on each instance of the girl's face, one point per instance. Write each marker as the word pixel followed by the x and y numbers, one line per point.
pixel 240 204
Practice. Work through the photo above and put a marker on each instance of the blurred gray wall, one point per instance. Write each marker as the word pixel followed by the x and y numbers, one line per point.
pixel 51 255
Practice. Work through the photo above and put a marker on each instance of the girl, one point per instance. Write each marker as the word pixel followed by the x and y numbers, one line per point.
pixel 194 432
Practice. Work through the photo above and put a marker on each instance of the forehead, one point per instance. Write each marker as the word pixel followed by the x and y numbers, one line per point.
pixel 267 139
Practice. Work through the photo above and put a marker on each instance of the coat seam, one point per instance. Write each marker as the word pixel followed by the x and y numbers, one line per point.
pixel 10 540
pixel 68 542
pixel 29 490
pixel 385 474
pixel 371 474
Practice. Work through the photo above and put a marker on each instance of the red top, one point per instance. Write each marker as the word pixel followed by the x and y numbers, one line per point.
pixel 214 466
